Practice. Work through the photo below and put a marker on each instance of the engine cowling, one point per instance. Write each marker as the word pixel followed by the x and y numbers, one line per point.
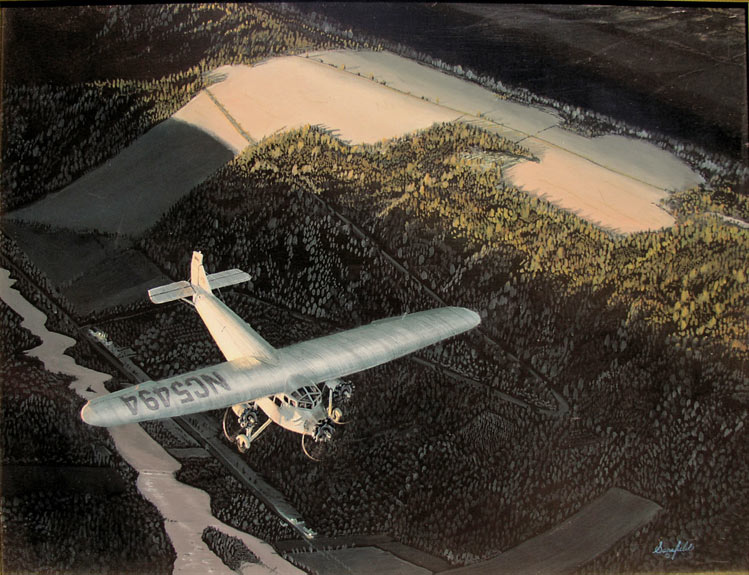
pixel 248 418
pixel 342 390
pixel 323 430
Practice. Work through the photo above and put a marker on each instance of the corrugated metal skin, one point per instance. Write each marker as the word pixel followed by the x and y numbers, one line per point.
pixel 317 360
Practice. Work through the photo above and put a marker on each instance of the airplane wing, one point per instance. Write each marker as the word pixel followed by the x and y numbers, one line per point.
pixel 314 361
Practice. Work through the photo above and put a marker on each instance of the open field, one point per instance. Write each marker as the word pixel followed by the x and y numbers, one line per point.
pixel 678 70
pixel 203 113
pixel 356 561
pixel 93 272
pixel 286 93
pixel 606 198
pixel 604 165
pixel 463 97
pixel 574 542
pixel 362 97
pixel 129 193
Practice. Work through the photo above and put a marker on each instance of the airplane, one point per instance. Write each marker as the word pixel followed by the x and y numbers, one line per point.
pixel 287 384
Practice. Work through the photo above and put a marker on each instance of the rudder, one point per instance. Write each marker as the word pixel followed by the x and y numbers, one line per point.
pixel 197 272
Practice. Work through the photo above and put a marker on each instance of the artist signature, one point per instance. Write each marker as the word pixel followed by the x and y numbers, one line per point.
pixel 671 552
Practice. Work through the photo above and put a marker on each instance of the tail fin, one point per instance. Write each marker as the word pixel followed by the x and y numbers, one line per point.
pixel 197 273
pixel 198 278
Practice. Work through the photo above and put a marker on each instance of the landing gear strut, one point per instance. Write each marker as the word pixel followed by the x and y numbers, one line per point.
pixel 247 418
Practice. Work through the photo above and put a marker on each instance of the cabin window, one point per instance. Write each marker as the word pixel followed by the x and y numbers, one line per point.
pixel 307 397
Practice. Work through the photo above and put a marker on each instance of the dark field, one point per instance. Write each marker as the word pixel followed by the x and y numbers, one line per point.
pixel 92 271
pixel 676 70
pixel 130 192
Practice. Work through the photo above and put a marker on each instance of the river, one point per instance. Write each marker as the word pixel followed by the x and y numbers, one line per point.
pixel 186 510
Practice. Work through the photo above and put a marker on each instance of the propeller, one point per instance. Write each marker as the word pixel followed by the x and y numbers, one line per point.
pixel 304 448
pixel 323 431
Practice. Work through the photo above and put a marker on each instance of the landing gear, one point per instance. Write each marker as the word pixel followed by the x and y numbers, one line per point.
pixel 243 443
pixel 336 415
pixel 241 429
pixel 306 451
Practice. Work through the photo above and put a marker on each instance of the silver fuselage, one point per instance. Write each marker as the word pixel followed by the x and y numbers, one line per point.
pixel 294 419
pixel 256 372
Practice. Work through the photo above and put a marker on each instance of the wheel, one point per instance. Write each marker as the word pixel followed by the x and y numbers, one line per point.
pixel 336 415
pixel 243 443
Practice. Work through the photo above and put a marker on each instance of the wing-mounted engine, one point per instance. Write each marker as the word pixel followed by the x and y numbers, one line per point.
pixel 337 393
pixel 340 393
pixel 242 424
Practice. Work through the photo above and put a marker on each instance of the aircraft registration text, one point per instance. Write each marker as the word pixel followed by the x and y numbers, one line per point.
pixel 192 388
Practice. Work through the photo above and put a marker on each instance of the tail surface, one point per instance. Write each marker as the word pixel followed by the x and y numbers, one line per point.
pixel 234 336
pixel 198 278
pixel 197 272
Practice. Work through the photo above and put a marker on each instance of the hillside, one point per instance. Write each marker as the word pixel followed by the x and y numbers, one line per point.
pixel 608 266
pixel 83 82
pixel 362 97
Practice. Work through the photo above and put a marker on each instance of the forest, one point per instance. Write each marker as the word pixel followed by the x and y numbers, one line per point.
pixel 644 335
pixel 625 355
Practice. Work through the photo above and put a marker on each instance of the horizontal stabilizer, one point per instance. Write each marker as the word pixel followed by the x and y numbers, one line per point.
pixel 171 292
pixel 227 278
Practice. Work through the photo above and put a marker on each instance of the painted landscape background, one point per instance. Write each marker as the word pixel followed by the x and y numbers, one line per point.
pixel 612 352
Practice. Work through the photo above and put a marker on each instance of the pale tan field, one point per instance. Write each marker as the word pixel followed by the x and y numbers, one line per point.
pixel 362 97
pixel 286 93
pixel 614 181
pixel 204 114
pixel 606 198
pixel 463 97
pixel 638 159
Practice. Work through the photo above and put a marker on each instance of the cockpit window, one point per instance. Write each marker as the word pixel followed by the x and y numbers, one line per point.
pixel 307 397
